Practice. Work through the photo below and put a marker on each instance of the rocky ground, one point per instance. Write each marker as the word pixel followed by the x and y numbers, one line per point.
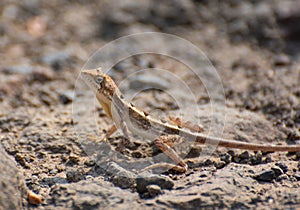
pixel 254 46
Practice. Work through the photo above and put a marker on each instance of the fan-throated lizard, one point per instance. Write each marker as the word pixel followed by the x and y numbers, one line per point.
pixel 131 119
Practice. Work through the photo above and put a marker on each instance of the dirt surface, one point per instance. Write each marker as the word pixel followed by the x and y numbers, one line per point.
pixel 254 46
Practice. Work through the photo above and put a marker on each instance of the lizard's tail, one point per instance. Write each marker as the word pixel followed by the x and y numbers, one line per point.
pixel 245 145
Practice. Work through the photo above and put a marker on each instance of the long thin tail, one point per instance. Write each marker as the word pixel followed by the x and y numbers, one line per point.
pixel 202 139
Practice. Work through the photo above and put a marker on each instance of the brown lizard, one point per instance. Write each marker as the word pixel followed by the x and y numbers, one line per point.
pixel 131 119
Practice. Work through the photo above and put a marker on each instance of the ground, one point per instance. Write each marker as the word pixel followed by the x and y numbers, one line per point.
pixel 254 47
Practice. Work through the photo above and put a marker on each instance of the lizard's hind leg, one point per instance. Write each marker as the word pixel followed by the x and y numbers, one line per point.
pixel 165 143
pixel 186 124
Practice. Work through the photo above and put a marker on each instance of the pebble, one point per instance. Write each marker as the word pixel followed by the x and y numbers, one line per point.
pixel 66 97
pixel 73 160
pixel 34 198
pixel 256 158
pixel 265 175
pixel 53 171
pixel 121 177
pixel 231 153
pixel 220 164
pixel 297 176
pixel 226 157
pixel 75 175
pixel 244 155
pixel 163 182
pixel 21 159
pixel 153 190
pixel 269 174
pixel 50 181
pixel 282 60
pixel 268 159
pixel 89 162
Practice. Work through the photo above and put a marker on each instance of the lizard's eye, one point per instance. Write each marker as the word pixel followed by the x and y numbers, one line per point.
pixel 98 80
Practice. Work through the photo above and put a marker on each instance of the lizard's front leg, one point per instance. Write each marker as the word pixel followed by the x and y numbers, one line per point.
pixel 121 121
pixel 109 132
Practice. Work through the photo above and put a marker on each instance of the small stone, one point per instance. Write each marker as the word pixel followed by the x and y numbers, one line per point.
pixel 66 97
pixel 53 171
pixel 297 176
pixel 208 162
pixel 256 159
pixel 283 166
pixel 236 159
pixel 226 158
pixel 20 158
pixel 50 181
pixel 266 175
pixel 231 153
pixel 73 160
pixel 154 190
pixel 270 200
pixel 75 175
pixel 123 182
pixel 163 182
pixel 121 177
pixel 268 159
pixel 282 60
pixel 89 163
pixel 220 164
pixel 137 154
pixel 34 198
pixel 244 155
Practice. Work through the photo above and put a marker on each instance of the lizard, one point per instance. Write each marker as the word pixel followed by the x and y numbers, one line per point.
pixel 130 119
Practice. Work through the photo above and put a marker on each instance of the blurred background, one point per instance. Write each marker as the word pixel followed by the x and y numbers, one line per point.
pixel 253 44
pixel 50 32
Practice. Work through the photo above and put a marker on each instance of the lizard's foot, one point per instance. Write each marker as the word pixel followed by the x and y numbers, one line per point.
pixel 164 143
pixel 168 166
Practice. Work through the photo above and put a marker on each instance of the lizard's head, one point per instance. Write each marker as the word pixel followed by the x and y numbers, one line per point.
pixel 100 83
